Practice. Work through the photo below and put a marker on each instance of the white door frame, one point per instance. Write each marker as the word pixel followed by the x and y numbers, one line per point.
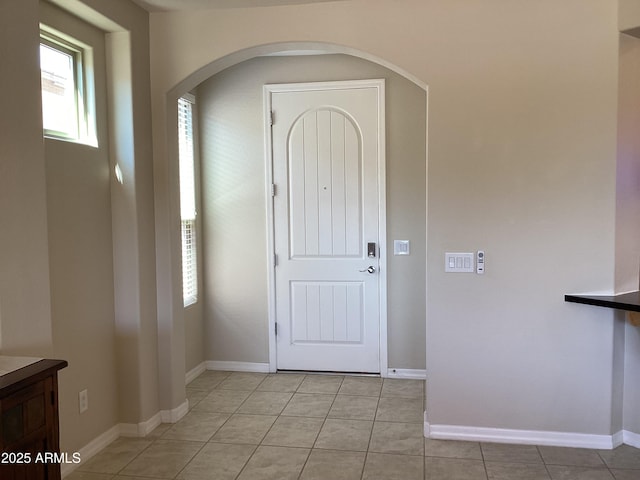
pixel 382 210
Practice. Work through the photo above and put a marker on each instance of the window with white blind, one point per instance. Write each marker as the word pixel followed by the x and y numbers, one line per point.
pixel 186 153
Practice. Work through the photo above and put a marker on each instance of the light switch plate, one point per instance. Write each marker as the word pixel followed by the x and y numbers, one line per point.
pixel 459 262
pixel 401 247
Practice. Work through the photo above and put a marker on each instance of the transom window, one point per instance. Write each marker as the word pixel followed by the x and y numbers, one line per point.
pixel 66 106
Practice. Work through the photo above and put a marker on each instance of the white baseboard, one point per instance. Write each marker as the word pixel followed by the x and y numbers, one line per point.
pixel 407 373
pixel 617 438
pixel 172 416
pixel 141 429
pixel 237 366
pixel 630 438
pixel 91 448
pixel 427 428
pixel 264 368
pixel 523 437
pixel 192 374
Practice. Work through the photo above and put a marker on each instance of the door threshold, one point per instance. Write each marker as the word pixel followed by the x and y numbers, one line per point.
pixel 315 372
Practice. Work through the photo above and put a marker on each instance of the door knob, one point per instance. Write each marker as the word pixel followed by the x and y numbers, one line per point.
pixel 369 269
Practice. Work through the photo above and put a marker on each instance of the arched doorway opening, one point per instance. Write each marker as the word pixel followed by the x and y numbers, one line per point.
pixel 223 327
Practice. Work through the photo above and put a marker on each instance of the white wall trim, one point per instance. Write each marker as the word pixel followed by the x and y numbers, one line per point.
pixel 407 373
pixel 172 416
pixel 234 58
pixel 427 426
pixel 383 285
pixel 237 366
pixel 91 448
pixel 618 438
pixel 192 374
pixel 379 84
pixel 631 438
pixel 140 429
pixel 523 437
pixel 271 245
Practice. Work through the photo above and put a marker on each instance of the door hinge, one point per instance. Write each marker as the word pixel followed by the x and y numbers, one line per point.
pixel 271 118
pixel 53 397
pixel 276 329
pixel 274 190
pixel 275 259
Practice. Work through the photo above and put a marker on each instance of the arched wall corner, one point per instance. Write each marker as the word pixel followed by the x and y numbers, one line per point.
pixel 282 48
pixel 167 169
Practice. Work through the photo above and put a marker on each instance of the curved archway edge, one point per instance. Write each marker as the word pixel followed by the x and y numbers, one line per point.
pixel 171 345
pixel 286 48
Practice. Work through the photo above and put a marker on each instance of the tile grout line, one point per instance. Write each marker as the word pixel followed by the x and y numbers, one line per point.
pixel 209 391
pixel 279 415
pixel 212 435
pixel 326 416
pixel 190 460
pixel 546 469
pixel 566 463
pixel 366 456
pixel 484 462
pixel 272 425
pixel 237 408
pixel 316 439
pixel 606 465
pixel 256 446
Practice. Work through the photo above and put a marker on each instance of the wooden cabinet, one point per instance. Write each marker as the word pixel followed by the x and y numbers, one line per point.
pixel 29 429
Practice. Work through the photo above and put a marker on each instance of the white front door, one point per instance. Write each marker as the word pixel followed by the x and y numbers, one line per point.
pixel 328 155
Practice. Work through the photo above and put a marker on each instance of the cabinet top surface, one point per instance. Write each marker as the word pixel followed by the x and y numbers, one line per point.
pixel 10 364
pixel 28 373
pixel 629 301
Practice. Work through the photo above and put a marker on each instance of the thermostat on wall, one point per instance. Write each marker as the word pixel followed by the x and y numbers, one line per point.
pixel 480 262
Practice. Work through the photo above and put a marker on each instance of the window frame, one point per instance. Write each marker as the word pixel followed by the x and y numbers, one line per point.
pixel 84 98
pixel 188 224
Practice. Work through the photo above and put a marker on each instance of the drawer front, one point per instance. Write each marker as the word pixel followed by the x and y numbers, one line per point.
pixel 28 425
pixel 25 413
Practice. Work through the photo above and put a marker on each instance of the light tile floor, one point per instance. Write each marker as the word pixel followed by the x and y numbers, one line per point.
pixel 250 426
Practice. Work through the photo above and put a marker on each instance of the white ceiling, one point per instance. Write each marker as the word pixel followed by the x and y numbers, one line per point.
pixel 164 5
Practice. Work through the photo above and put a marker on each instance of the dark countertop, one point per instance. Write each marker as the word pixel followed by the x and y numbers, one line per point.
pixel 625 301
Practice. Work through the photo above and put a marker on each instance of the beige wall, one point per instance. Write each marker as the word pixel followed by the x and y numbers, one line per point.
pixel 525 126
pixel 81 252
pixel 628 168
pixel 25 302
pixel 522 163
pixel 627 215
pixel 132 205
pixel 234 203
pixel 522 143
pixel 629 15
pixel 57 292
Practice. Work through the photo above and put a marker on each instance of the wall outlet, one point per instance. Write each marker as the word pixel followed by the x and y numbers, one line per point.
pixel 83 401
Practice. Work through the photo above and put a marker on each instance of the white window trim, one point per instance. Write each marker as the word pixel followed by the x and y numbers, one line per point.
pixel 188 209
pixel 84 84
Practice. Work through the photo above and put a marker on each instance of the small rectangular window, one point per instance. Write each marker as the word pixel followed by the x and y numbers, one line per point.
pixel 186 154
pixel 66 107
